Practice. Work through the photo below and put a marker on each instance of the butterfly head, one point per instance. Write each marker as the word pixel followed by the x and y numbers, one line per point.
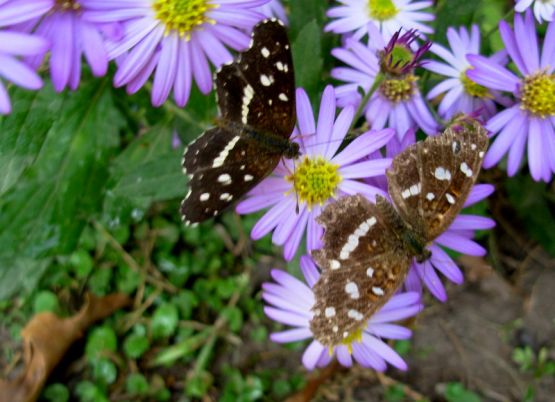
pixel 292 151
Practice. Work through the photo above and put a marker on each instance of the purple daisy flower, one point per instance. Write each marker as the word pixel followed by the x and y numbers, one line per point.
pixel 289 301
pixel 397 102
pixel 322 174
pixel 71 37
pixel 457 237
pixel 15 45
pixel 532 119
pixel 544 10
pixel 389 15
pixel 175 40
pixel 461 94
pixel 274 9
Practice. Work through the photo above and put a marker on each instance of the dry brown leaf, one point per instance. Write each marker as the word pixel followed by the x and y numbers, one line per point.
pixel 47 337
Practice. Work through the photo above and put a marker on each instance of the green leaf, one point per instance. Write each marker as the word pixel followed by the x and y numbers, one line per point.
pixel 104 371
pixel 20 273
pixel 45 300
pixel 307 57
pixel 45 211
pixel 148 170
pixel 24 131
pixel 455 392
pixel 56 393
pixel 530 200
pixel 164 321
pixel 453 13
pixel 135 345
pixel 100 340
pixel 136 384
pixel 306 11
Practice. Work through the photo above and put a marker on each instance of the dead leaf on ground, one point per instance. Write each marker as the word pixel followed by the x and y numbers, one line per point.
pixel 47 337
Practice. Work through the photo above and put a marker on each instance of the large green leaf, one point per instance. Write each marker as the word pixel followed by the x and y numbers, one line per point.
pixel 45 211
pixel 307 57
pixel 148 170
pixel 24 130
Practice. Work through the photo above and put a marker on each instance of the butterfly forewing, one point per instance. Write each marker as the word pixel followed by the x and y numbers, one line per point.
pixel 256 99
pixel 430 181
pixel 363 264
pixel 259 89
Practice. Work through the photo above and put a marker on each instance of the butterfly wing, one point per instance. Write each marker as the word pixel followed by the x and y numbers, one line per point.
pixel 363 264
pixel 221 173
pixel 430 181
pixel 258 89
pixel 256 99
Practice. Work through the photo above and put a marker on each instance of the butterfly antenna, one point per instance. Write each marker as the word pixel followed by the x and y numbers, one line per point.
pixel 294 189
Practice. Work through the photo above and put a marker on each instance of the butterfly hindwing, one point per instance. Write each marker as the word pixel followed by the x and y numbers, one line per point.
pixel 221 172
pixel 258 89
pixel 430 181
pixel 345 299
pixel 362 263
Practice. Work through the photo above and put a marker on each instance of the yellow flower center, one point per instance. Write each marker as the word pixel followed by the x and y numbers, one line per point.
pixel 183 16
pixel 315 180
pixel 473 89
pixel 399 89
pixel 356 336
pixel 382 10
pixel 68 5
pixel 538 94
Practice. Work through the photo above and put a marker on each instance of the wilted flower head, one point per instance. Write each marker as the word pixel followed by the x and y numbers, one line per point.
pixel 397 102
pixel 398 58
pixel 290 301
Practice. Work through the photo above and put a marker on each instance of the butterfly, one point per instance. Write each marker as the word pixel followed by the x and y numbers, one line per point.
pixel 256 100
pixel 368 247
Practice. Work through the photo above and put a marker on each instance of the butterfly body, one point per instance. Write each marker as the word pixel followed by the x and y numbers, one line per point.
pixel 256 100
pixel 368 247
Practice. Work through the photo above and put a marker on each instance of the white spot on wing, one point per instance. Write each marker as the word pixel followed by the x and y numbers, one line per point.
pixel 225 179
pixel 430 196
pixel 378 291
pixel 351 289
pixel 334 264
pixel 466 170
pixel 283 97
pixel 355 315
pixel 219 161
pixel 248 94
pixel 329 312
pixel 265 52
pixel 442 174
pixel 370 272
pixel 204 196
pixel 266 80
pixel 450 198
pixel 248 177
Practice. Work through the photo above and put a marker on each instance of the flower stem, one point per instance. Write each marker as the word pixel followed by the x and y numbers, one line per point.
pixel 377 81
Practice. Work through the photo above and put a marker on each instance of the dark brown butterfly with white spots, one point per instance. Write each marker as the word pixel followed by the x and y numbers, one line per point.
pixel 368 247
pixel 256 99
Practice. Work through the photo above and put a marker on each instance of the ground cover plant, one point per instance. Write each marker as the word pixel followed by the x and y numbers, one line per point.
pixel 112 288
